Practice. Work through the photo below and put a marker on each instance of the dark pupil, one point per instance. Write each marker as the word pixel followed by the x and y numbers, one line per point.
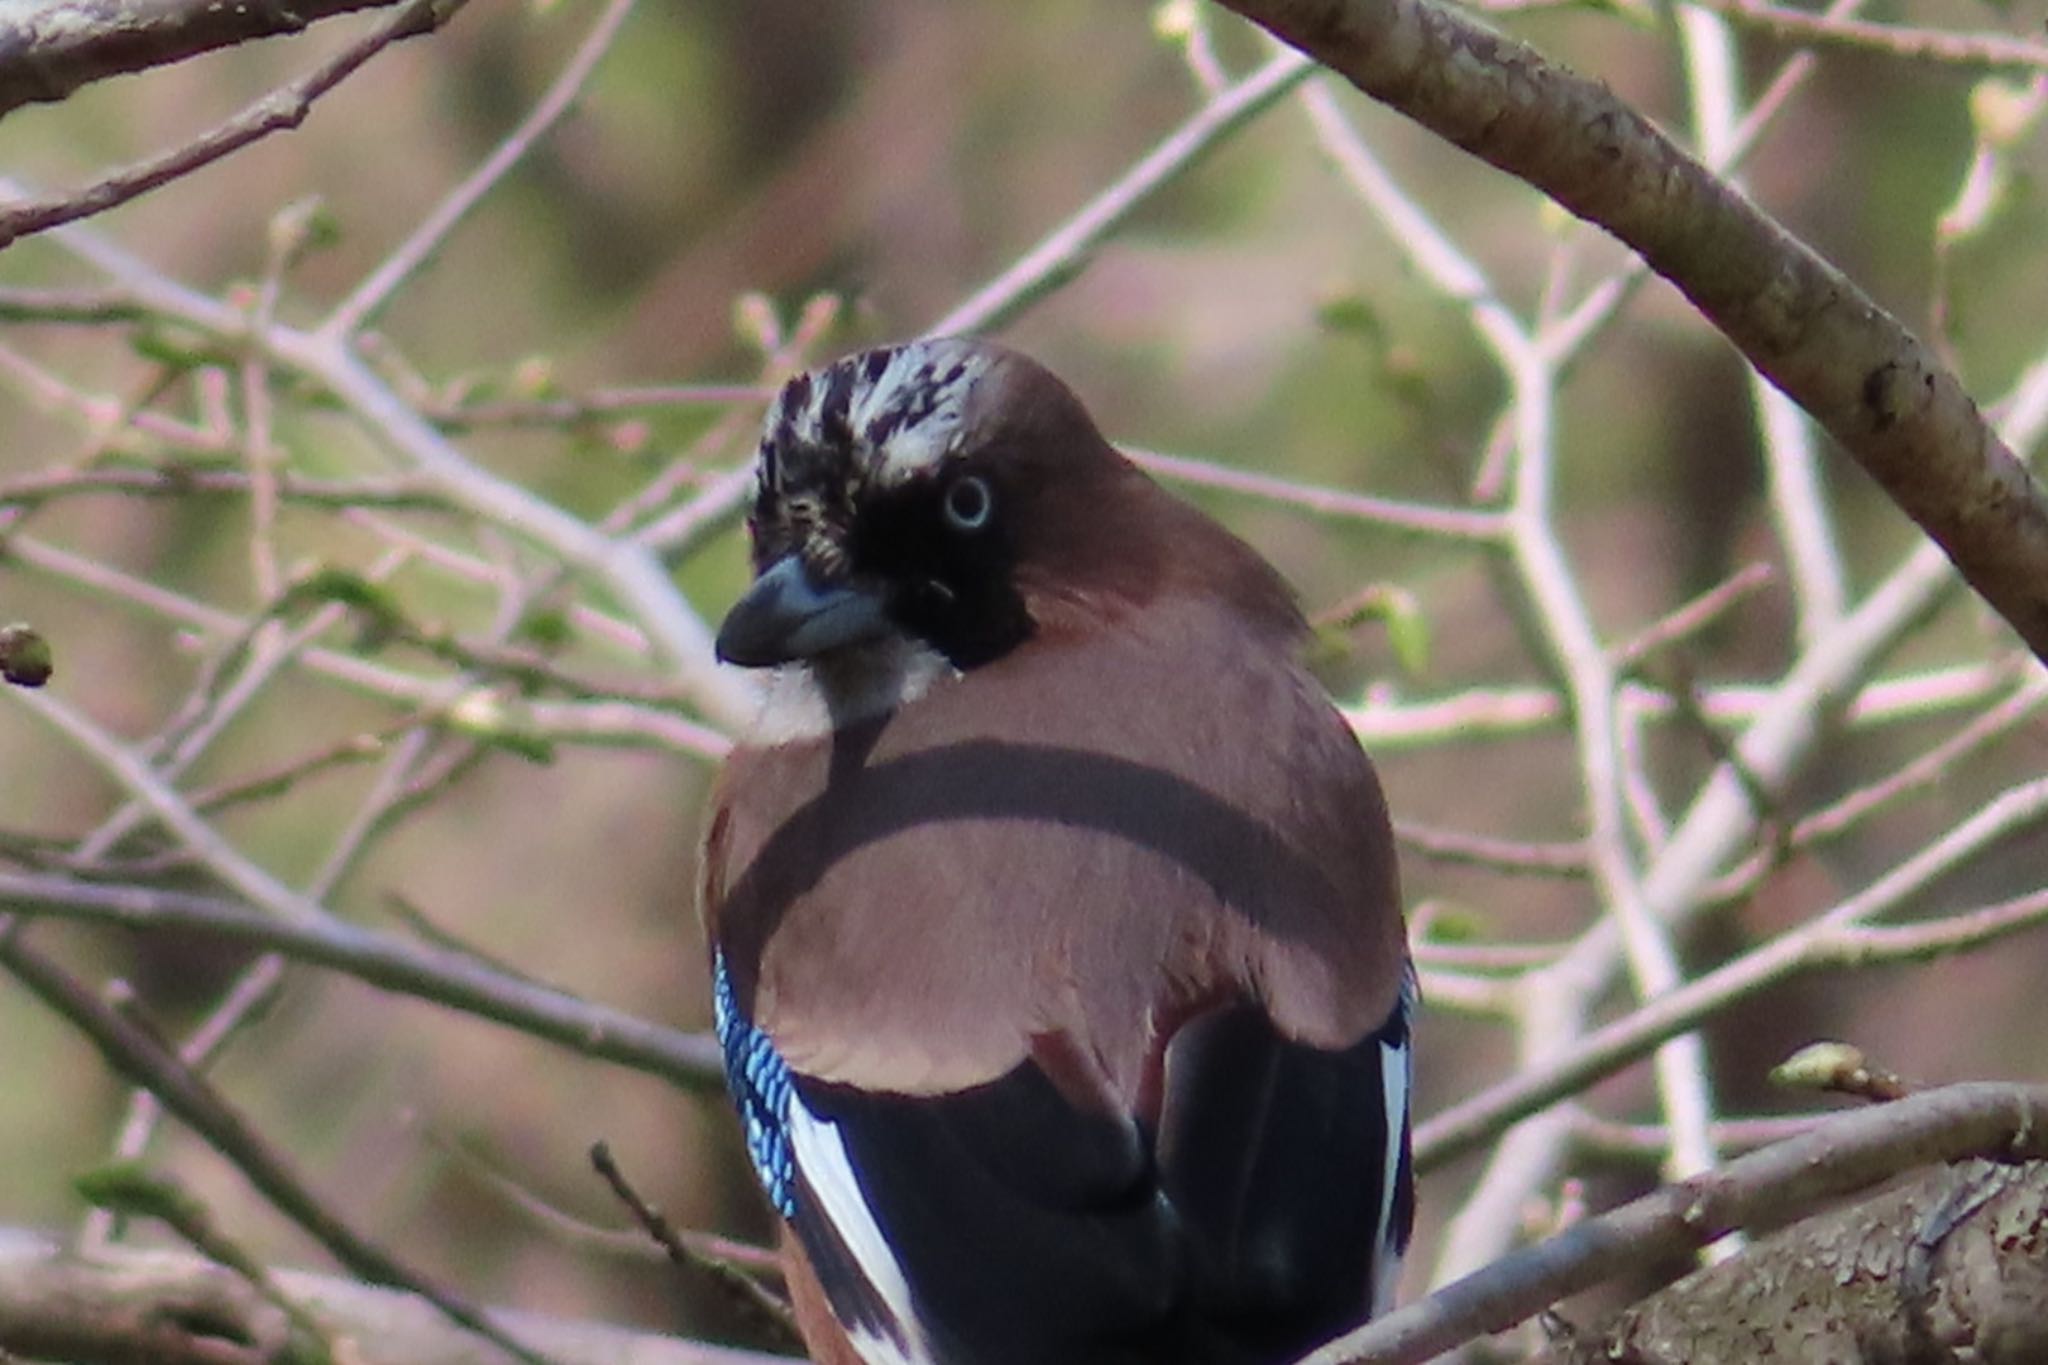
pixel 967 502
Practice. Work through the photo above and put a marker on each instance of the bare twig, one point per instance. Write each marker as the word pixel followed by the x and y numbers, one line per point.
pixel 1450 523
pixel 626 567
pixel 383 1326
pixel 1826 941
pixel 1062 252
pixel 1504 855
pixel 1996 51
pixel 363 303
pixel 185 481
pixel 757 1297
pixel 452 979
pixel 1862 375
pixel 576 409
pixel 56 46
pixel 1696 615
pixel 279 110
pixel 138 1056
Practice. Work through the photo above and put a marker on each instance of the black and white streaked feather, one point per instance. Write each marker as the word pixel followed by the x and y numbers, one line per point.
pixel 888 414
pixel 870 422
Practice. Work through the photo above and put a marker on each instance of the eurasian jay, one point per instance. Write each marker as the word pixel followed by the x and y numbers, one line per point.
pixel 1055 935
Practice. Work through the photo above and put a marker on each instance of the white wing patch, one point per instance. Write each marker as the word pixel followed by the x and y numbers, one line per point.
pixel 829 1179
pixel 1396 1079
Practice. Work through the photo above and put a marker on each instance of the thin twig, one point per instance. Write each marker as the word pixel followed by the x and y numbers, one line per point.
pixel 283 108
pixel 376 290
pixel 1450 523
pixel 1996 51
pixel 1695 616
pixel 1819 943
pixel 451 979
pixel 1063 251
pixel 1558 859
pixel 577 409
pixel 751 1292
pixel 185 481
pixel 137 1056
pixel 754 1260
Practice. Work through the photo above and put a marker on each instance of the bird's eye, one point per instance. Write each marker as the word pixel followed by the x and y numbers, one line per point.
pixel 969 504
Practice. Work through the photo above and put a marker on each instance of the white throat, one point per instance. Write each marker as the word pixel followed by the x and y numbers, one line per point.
pixel 811 699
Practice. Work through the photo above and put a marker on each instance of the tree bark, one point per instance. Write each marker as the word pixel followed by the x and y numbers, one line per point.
pixel 49 50
pixel 171 1309
pixel 1950 1266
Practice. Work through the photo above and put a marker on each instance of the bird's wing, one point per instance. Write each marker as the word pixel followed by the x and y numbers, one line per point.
pixel 1288 1166
pixel 1086 1035
pixel 1023 1219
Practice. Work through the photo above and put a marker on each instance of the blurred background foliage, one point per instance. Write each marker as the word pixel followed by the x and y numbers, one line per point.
pixel 898 154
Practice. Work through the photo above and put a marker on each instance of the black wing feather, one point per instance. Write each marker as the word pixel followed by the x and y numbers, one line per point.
pixel 1275 1156
pixel 1027 1230
pixel 1245 1233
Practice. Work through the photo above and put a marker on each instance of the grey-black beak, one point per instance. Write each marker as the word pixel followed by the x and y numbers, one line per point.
pixel 785 617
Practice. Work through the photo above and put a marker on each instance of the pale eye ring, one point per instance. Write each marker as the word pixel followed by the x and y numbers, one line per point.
pixel 969 504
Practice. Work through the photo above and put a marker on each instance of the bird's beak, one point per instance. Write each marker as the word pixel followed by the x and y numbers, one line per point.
pixel 784 617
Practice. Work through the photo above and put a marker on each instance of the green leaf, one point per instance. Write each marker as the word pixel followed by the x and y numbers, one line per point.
pixel 548 628
pixel 1448 923
pixel 1397 609
pixel 175 348
pixel 534 378
pixel 302 226
pixel 378 611
pixel 132 1189
pixel 1408 633
pixel 1353 315
pixel 532 748
pixel 345 586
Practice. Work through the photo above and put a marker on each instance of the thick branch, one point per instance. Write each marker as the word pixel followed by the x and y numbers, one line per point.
pixel 1766 1189
pixel 174 1309
pixel 1875 387
pixel 1951 1266
pixel 49 50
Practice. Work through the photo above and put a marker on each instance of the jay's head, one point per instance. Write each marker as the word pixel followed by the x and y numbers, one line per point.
pixel 954 495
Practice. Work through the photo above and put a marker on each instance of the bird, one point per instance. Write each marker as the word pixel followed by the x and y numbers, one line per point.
pixel 1054 925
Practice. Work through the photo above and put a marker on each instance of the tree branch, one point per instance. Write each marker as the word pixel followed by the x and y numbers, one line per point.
pixel 282 108
pixel 1765 1189
pixel 1827 940
pixel 134 1052
pixel 455 980
pixel 49 50
pixel 123 1306
pixel 1936 1271
pixel 1861 374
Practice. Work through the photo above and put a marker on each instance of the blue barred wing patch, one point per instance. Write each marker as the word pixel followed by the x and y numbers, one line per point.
pixel 760 1084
